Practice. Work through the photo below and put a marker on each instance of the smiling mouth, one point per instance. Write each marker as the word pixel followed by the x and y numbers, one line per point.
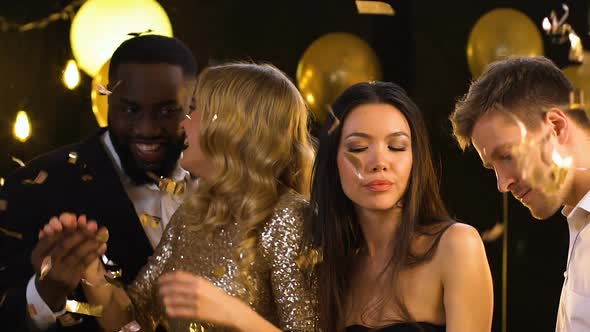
pixel 149 152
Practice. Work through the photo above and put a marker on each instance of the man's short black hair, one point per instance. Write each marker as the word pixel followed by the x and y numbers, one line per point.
pixel 152 49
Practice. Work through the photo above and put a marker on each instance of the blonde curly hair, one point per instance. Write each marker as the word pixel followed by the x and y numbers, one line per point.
pixel 254 133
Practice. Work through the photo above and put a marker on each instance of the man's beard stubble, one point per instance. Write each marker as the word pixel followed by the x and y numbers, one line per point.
pixel 137 173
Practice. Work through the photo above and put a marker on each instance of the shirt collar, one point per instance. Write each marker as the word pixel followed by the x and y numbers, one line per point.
pixel 577 216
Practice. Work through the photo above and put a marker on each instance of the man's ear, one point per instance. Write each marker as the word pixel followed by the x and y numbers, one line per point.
pixel 559 123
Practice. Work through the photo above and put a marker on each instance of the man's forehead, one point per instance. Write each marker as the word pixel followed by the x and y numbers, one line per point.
pixel 495 131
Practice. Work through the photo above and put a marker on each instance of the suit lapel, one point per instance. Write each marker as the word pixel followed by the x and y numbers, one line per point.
pixel 128 245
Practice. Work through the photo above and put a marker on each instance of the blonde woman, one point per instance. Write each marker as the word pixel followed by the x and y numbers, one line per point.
pixel 228 258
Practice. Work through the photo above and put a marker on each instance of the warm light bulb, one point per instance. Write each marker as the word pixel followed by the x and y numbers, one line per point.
pixel 71 76
pixel 22 126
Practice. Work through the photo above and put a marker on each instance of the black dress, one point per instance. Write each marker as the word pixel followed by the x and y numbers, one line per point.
pixel 400 327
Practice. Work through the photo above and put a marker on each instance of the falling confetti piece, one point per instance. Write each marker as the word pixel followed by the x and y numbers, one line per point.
pixel 194 327
pixel 39 179
pixel 87 177
pixel 215 117
pixel 45 267
pixel 72 157
pixel 151 221
pixel 374 8
pixel 11 233
pixel 493 233
pixel 3 205
pixel 83 308
pixel 336 123
pixel 113 278
pixel 2 181
pixel 357 165
pixel 18 161
pixel 309 259
pixel 137 34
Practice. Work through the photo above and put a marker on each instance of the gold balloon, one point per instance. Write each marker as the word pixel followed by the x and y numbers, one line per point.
pixel 330 65
pixel 100 103
pixel 579 75
pixel 500 33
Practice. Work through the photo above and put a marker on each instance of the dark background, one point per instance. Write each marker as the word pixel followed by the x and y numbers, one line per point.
pixel 422 47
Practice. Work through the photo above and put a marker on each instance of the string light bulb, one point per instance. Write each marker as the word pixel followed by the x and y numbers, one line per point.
pixel 22 127
pixel 71 75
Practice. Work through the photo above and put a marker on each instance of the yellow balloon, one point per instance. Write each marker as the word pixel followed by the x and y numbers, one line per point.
pixel 330 65
pixel 500 33
pixel 100 103
pixel 100 26
pixel 579 75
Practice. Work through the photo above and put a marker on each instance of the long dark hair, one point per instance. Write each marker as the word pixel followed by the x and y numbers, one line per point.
pixel 331 224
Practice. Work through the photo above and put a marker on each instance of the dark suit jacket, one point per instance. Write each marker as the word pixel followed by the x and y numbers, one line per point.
pixel 89 186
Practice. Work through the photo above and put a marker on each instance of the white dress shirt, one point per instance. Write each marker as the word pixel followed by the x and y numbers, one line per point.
pixel 147 199
pixel 574 304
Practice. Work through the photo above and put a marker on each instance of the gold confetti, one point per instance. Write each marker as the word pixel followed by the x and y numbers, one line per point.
pixel 2 181
pixel 72 157
pixel 172 187
pixel 83 308
pixel 374 8
pixel 45 267
pixel 357 164
pixel 151 221
pixel 102 235
pixel 3 205
pixel 18 161
pixel 113 278
pixel 87 177
pixel 39 179
pixel 336 120
pixel 194 327
pixel 104 91
pixel 11 233
pixel 69 320
pixel 493 233
pixel 219 271
pixel 309 259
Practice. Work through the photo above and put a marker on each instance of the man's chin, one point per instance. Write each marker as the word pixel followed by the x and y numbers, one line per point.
pixel 543 213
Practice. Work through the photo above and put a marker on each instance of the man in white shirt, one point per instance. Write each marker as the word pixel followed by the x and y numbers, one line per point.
pixel 126 177
pixel 529 127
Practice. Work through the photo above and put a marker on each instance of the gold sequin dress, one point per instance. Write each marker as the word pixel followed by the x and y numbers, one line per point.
pixel 282 292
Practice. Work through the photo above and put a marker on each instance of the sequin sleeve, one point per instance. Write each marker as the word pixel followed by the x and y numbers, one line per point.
pixel 143 292
pixel 281 239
